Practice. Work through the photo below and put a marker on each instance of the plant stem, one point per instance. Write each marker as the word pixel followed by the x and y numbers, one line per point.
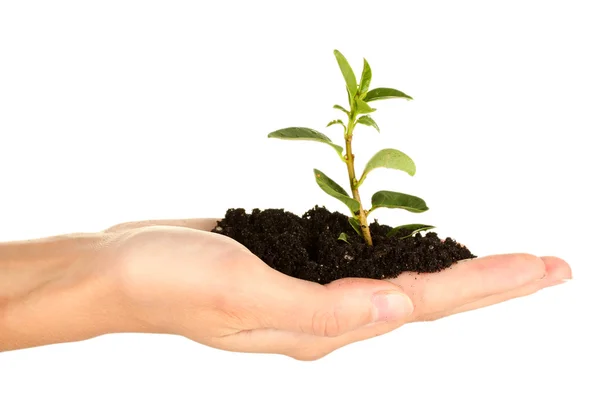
pixel 362 215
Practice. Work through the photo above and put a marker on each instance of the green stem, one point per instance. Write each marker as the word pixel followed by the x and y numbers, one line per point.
pixel 362 215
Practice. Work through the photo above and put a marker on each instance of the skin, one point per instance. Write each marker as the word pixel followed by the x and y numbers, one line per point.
pixel 175 277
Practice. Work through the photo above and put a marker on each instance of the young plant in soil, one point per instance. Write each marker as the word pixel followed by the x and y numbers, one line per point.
pixel 323 246
pixel 359 108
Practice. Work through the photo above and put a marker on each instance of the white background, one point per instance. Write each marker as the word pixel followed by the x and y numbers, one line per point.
pixel 115 111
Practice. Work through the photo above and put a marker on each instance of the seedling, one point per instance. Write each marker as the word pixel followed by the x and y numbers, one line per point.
pixel 359 99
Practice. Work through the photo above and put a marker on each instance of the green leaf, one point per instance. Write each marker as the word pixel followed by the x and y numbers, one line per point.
pixel 356 225
pixel 343 237
pixel 365 79
pixel 349 76
pixel 389 158
pixel 389 199
pixel 337 121
pixel 350 100
pixel 296 133
pixel 338 107
pixel 363 108
pixel 368 121
pixel 385 93
pixel 335 190
pixel 413 228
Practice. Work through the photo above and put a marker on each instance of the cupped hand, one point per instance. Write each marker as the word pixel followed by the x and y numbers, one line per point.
pixel 179 278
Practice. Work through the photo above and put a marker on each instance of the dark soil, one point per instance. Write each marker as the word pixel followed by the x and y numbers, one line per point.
pixel 308 248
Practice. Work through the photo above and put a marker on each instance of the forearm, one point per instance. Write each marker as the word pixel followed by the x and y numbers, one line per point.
pixel 56 290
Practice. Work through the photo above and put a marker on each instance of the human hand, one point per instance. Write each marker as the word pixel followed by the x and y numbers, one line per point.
pixel 178 278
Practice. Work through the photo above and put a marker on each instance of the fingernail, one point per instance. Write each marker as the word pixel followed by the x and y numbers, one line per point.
pixel 559 282
pixel 391 306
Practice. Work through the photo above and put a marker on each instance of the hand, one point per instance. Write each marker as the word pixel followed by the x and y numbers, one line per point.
pixel 178 278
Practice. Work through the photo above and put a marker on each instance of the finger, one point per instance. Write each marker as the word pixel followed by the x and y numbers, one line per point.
pixel 308 347
pixel 330 310
pixel 203 224
pixel 557 272
pixel 557 269
pixel 468 281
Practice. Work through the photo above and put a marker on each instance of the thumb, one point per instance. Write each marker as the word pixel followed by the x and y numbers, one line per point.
pixel 336 308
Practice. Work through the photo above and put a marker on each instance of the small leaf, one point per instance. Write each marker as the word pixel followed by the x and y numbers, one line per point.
pixel 337 121
pixel 343 237
pixel 363 108
pixel 338 107
pixel 335 190
pixel 365 79
pixel 356 225
pixel 389 199
pixel 350 100
pixel 412 228
pixel 296 133
pixel 349 76
pixel 368 121
pixel 389 158
pixel 385 93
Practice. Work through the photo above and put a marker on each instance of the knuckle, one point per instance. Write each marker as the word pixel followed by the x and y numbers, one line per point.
pixel 536 264
pixel 427 300
pixel 326 323
pixel 237 319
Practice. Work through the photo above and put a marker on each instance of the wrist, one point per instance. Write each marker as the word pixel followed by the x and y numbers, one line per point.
pixel 59 290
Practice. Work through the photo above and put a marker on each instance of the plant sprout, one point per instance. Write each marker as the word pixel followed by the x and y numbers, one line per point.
pixel 359 108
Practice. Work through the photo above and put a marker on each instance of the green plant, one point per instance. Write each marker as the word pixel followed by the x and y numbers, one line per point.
pixel 359 99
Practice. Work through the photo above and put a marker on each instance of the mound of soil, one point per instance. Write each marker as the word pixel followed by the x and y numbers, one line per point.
pixel 308 248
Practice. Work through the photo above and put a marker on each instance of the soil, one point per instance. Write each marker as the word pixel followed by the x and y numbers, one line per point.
pixel 308 248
